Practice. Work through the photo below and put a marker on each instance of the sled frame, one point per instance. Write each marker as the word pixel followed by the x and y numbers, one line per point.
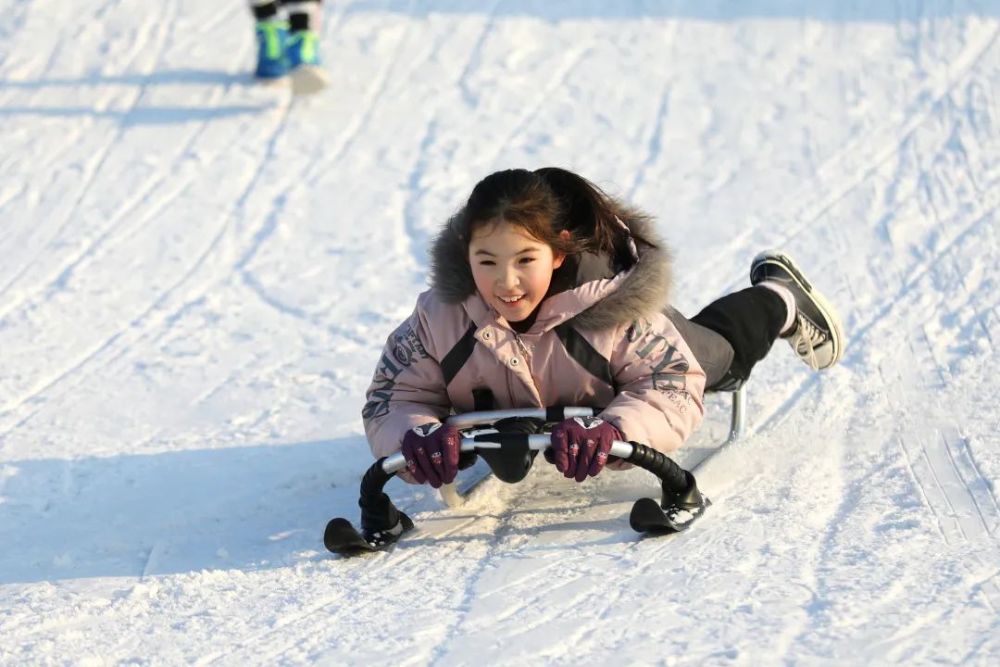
pixel 454 497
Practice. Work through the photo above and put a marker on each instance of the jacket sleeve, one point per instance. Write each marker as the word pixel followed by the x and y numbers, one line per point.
pixel 408 388
pixel 660 385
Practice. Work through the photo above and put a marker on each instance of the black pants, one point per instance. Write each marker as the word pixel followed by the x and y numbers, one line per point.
pixel 297 20
pixel 731 334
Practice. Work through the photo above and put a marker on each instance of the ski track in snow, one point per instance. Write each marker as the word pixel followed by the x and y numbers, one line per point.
pixel 854 165
pixel 108 238
pixel 857 524
pixel 143 322
pixel 940 461
pixel 103 153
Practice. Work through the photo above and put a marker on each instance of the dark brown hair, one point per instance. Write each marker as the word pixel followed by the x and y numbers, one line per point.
pixel 547 201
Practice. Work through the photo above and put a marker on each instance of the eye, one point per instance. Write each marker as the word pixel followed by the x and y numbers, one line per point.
pixel 486 262
pixel 527 260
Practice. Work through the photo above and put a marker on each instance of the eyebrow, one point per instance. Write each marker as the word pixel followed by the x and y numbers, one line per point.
pixel 519 252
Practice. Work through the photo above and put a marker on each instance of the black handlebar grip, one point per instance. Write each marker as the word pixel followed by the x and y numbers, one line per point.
pixel 673 477
pixel 377 510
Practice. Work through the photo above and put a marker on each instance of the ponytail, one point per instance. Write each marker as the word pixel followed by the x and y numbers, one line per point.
pixel 595 219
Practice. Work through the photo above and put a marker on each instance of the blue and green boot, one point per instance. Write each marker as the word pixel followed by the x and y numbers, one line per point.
pixel 272 58
pixel 302 50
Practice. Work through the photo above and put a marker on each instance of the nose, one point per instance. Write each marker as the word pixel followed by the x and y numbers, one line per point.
pixel 507 280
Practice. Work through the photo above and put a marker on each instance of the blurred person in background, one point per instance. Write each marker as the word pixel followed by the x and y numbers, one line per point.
pixel 288 43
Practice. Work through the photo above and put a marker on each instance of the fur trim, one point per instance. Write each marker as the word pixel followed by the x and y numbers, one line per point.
pixel 451 275
pixel 644 292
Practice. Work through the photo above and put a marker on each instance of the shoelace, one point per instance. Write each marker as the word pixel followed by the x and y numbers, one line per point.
pixel 809 337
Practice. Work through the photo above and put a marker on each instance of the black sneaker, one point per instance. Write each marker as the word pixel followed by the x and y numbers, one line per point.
pixel 817 336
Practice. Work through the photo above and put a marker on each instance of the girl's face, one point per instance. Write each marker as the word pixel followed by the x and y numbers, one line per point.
pixel 512 270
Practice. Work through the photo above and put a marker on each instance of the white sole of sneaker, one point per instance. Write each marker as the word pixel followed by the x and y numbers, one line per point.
pixel 785 261
pixel 308 79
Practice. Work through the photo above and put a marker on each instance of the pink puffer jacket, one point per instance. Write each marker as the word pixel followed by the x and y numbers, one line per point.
pixel 603 342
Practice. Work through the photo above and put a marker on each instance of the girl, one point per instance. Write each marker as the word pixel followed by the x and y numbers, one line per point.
pixel 547 291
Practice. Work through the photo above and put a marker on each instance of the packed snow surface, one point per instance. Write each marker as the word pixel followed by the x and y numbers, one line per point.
pixel 197 275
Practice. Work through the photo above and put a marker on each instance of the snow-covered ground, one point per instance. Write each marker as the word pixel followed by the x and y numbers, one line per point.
pixel 197 275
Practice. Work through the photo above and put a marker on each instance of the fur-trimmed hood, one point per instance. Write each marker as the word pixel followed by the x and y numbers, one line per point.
pixel 606 299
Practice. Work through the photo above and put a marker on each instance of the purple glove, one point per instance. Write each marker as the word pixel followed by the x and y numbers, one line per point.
pixel 580 446
pixel 431 452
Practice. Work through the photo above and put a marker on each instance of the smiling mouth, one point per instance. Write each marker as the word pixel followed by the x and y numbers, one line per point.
pixel 509 300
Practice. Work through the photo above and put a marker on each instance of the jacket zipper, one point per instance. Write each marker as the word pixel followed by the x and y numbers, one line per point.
pixel 527 359
pixel 524 351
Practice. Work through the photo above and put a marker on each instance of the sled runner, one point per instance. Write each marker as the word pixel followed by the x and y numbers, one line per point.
pixel 508 441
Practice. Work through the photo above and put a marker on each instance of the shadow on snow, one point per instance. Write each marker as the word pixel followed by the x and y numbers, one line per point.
pixel 139 114
pixel 244 508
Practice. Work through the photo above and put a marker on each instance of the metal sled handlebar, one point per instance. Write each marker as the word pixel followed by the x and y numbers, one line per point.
pixel 737 421
pixel 556 414
pixel 621 449
pixel 535 443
